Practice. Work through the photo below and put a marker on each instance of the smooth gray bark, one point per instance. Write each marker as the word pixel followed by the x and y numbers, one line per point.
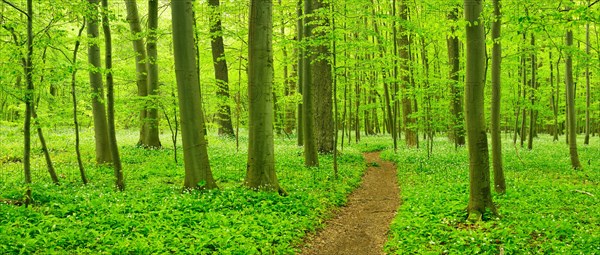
pixel 195 154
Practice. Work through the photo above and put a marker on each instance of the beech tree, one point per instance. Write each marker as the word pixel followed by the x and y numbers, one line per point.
pixel 588 91
pixel 148 124
pixel 310 143
pixel 499 182
pixel 152 139
pixel 195 155
pixel 260 172
pixel 300 69
pixel 480 195
pixel 74 100
pixel 28 105
pixel 457 128
pixel 408 121
pixel 110 99
pixel 103 152
pixel 322 79
pixel 571 113
pixel 221 71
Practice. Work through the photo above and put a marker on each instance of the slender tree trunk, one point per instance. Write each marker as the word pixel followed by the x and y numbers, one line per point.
pixel 524 96
pixel 288 83
pixel 221 71
pixel 152 118
pixel 322 82
pixel 74 98
pixel 335 99
pixel 133 18
pixel 27 69
pixel 408 121
pixel 110 99
pixel 533 82
pixel 357 112
pixel 571 117
pixel 567 102
pixel 458 131
pixel 300 64
pixel 195 154
pixel 552 99
pixel 517 106
pixel 260 173
pixel 47 157
pixel 588 92
pixel 480 196
pixel 290 108
pixel 426 99
pixel 558 81
pixel 413 99
pixel 28 105
pixel 310 146
pixel 345 121
pixel 392 115
pixel 103 153
pixel 499 182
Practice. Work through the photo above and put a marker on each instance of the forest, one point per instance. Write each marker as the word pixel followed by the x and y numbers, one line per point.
pixel 299 127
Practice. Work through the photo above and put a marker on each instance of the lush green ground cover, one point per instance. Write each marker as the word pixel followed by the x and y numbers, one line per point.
pixel 152 215
pixel 545 210
pixel 548 208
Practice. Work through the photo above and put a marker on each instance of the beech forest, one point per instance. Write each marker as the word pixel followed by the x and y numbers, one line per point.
pixel 299 127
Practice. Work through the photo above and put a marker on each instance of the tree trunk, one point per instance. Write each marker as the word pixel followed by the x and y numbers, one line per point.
pixel 322 81
pixel 152 139
pixel 28 105
pixel 195 155
pixel 110 100
pixel 28 69
pixel 588 92
pixel 345 121
pixel 221 71
pixel 133 18
pixel 393 114
pixel 499 182
pixel 74 98
pixel 524 95
pixel 288 84
pixel 517 96
pixel 408 121
pixel 103 153
pixel 458 131
pixel 49 164
pixel 300 67
pixel 260 174
pixel 310 146
pixel 335 98
pixel 552 99
pixel 357 112
pixel 533 85
pixel 480 196
pixel 571 117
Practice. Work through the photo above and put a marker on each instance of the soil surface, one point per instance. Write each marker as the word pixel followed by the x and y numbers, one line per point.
pixel 361 226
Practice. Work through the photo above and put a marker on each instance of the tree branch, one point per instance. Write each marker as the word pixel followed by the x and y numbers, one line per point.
pixel 15 7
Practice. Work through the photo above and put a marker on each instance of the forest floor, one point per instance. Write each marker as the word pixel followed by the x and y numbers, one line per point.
pixel 362 226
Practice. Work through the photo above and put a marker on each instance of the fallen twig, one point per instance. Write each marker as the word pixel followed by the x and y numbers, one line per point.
pixel 584 192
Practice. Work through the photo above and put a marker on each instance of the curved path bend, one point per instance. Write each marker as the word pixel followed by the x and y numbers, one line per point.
pixel 361 227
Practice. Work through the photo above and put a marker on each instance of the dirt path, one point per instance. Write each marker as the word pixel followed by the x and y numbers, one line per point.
pixel 361 227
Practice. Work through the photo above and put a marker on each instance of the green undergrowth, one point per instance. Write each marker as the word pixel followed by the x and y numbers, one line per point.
pixel 548 208
pixel 152 215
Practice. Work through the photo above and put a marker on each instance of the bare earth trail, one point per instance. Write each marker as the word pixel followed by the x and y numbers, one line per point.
pixel 361 226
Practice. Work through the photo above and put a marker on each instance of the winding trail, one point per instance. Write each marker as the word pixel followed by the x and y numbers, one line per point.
pixel 361 226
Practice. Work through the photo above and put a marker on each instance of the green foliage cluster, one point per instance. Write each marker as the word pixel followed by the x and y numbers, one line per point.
pixel 153 216
pixel 548 208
